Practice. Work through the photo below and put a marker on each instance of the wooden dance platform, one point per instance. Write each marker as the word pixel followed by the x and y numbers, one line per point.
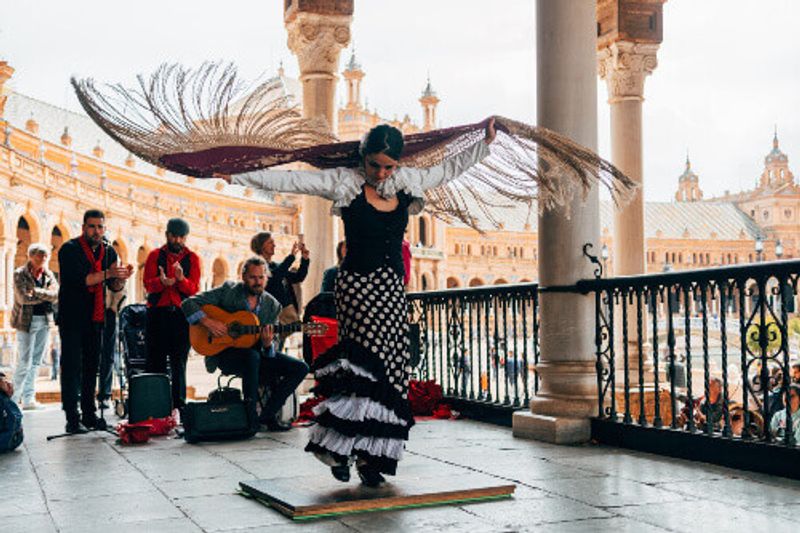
pixel 304 498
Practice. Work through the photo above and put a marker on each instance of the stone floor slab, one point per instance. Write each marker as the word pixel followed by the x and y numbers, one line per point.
pixel 29 523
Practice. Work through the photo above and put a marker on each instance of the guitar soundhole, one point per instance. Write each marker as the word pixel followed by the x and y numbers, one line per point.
pixel 235 330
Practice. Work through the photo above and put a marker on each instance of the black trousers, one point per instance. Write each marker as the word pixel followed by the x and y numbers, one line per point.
pixel 80 355
pixel 168 338
pixel 281 372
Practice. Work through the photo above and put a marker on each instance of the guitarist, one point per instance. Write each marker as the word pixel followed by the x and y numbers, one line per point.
pixel 255 363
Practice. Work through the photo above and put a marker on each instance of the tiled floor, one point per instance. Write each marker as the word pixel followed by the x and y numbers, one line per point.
pixel 88 483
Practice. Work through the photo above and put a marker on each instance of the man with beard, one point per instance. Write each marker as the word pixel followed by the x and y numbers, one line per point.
pixel 171 274
pixel 255 363
pixel 88 266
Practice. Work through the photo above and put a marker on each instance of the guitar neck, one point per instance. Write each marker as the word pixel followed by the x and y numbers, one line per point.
pixel 279 328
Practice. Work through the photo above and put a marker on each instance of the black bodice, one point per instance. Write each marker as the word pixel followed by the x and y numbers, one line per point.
pixel 374 238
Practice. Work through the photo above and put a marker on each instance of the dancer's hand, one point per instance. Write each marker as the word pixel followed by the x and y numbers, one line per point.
pixel 224 177
pixel 491 133
pixel 215 327
pixel 304 251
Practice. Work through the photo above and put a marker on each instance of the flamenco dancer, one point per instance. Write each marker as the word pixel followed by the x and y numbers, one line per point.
pixel 374 186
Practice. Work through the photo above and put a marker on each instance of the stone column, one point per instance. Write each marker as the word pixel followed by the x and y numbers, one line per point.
pixel 566 103
pixel 624 65
pixel 318 30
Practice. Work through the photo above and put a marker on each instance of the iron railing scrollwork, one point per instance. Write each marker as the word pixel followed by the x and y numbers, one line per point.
pixel 480 344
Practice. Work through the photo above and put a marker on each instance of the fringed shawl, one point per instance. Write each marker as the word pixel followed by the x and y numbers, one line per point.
pixel 206 121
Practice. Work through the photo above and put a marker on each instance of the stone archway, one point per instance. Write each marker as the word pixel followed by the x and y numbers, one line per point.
pixel 27 234
pixel 476 282
pixel 426 282
pixel 219 272
pixel 121 249
pixel 453 282
pixel 141 258
pixel 58 236
pixel 500 281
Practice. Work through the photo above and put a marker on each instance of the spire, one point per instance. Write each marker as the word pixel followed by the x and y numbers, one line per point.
pixel 428 91
pixel 775 138
pixel 353 65
pixel 280 69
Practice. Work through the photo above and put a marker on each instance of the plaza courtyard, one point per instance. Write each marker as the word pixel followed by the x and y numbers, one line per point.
pixel 90 483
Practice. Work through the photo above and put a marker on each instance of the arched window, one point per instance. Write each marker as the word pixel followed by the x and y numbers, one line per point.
pixel 423 232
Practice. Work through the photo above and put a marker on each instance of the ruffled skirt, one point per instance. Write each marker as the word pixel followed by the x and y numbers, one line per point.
pixel 364 378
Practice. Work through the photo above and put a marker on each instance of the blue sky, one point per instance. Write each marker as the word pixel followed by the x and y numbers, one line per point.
pixel 728 69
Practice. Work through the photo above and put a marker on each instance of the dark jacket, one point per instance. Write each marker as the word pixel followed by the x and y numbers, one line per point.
pixel 75 302
pixel 281 280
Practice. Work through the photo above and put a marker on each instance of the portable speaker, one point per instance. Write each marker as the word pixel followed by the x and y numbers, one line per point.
pixel 149 397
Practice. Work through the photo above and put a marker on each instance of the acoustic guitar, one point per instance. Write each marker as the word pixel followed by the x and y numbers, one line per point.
pixel 244 331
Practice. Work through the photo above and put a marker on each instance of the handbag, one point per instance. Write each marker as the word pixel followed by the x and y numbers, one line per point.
pixel 224 416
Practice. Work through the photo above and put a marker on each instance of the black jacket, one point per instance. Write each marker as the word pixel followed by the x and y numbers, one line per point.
pixel 75 302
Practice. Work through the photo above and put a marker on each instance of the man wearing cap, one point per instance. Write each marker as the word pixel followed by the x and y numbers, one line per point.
pixel 171 274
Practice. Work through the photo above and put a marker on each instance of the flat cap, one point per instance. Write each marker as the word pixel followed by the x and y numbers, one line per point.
pixel 178 227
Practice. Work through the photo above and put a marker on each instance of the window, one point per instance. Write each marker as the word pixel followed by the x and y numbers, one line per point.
pixel 765 215
pixel 787 213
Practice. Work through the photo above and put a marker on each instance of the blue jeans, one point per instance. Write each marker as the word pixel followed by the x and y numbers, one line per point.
pixel 31 346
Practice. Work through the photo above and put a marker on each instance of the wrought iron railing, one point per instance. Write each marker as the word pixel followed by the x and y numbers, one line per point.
pixel 480 344
pixel 707 351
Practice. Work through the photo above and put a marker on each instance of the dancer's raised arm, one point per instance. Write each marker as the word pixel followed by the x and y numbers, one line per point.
pixel 315 182
pixel 451 168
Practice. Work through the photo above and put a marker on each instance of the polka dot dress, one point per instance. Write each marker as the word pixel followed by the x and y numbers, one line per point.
pixel 372 311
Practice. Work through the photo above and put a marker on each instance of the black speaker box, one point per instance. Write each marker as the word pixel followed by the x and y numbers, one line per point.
pixel 149 397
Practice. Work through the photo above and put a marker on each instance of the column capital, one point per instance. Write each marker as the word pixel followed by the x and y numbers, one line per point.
pixel 316 39
pixel 624 65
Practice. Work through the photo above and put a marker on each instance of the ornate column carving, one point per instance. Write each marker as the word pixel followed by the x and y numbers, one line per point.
pixel 6 71
pixel 318 31
pixel 624 66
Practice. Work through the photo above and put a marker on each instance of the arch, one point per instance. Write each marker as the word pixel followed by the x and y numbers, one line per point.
pixel 26 233
pixel 525 280
pixel 239 269
pixel 219 272
pixel 500 281
pixel 58 236
pixel 141 259
pixel 422 232
pixel 426 282
pixel 453 282
pixel 121 249
pixel 476 282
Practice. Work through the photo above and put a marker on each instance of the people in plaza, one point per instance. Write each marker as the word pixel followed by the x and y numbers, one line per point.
pixel 711 407
pixel 6 387
pixel 329 276
pixel 256 363
pixel 171 274
pixel 777 425
pixel 795 373
pixel 35 290
pixel 366 417
pixel 282 279
pixel 109 355
pixel 88 266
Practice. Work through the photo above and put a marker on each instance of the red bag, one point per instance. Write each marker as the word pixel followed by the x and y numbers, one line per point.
pixel 424 397
pixel 322 343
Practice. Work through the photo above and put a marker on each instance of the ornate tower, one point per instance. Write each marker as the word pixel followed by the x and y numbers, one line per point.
pixel 6 72
pixel 353 76
pixel 688 185
pixel 429 100
pixel 776 168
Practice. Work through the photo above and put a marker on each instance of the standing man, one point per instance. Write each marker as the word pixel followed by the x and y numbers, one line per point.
pixel 35 290
pixel 171 274
pixel 88 265
pixel 281 278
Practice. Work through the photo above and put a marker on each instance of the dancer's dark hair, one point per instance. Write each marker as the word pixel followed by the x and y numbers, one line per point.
pixel 383 139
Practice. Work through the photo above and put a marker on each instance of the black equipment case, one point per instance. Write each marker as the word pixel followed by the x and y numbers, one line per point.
pixel 225 416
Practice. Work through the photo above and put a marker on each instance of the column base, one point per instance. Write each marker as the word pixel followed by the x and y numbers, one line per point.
pixel 552 429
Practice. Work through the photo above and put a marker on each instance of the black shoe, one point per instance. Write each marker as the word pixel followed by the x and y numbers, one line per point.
pixel 341 472
pixel 90 421
pixel 277 425
pixel 370 476
pixel 72 427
